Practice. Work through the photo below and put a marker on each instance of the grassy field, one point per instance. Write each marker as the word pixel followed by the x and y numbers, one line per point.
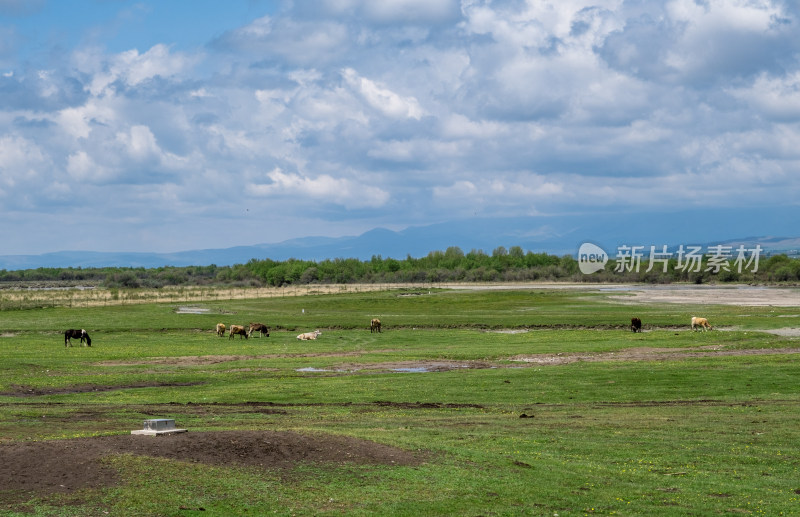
pixel 516 402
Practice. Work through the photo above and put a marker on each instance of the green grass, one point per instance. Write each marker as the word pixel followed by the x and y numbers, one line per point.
pixel 685 436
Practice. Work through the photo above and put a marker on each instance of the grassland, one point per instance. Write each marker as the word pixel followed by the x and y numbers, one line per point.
pixel 478 385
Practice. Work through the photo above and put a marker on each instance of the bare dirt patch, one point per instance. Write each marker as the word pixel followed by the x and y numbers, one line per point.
pixel 201 360
pixel 648 354
pixel 63 466
pixel 790 332
pixel 710 295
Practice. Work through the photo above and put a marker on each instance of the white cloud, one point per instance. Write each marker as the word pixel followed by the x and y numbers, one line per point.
pixel 427 11
pixel 304 190
pixel 131 67
pixel 777 98
pixel 20 161
pixel 382 98
pixel 139 142
pixel 81 167
pixel 407 111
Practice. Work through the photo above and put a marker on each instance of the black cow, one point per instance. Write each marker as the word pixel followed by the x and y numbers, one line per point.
pixel 77 334
pixel 636 325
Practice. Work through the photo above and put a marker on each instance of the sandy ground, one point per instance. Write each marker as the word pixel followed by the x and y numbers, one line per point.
pixel 709 295
pixel 745 295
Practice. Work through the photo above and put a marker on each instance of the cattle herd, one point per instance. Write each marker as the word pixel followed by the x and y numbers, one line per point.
pixel 374 326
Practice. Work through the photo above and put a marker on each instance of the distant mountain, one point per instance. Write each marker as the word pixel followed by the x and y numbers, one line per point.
pixel 555 235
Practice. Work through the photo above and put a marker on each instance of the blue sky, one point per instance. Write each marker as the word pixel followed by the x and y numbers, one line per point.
pixel 165 126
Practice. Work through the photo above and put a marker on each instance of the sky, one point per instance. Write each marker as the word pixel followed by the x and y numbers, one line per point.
pixel 188 124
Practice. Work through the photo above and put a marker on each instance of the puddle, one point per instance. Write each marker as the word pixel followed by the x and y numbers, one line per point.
pixel 399 367
pixel 191 310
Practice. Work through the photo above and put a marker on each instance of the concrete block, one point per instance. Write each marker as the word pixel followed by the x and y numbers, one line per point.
pixel 159 426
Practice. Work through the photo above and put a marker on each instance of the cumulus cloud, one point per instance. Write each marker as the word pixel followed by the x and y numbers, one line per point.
pixel 132 68
pixel 383 99
pixel 305 191
pixel 405 111
pixel 775 97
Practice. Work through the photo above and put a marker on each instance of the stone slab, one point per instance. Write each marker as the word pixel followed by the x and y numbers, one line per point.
pixel 159 426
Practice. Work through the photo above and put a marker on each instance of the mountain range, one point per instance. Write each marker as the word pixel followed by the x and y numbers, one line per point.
pixel 550 234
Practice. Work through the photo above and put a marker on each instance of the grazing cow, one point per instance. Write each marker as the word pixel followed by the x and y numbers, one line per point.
pixel 374 325
pixel 221 329
pixel 700 322
pixel 636 325
pixel 77 334
pixel 309 335
pixel 260 328
pixel 237 329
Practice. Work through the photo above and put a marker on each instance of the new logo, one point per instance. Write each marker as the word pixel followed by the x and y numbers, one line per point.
pixel 591 258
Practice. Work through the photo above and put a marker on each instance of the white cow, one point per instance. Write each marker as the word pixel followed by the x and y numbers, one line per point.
pixel 700 322
pixel 309 335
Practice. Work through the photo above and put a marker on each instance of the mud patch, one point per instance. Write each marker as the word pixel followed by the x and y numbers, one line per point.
pixel 649 354
pixel 63 466
pixel 202 360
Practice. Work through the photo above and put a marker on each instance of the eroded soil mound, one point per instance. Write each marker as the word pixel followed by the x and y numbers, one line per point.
pixel 67 465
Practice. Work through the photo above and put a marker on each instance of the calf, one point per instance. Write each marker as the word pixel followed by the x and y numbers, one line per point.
pixel 221 329
pixel 700 322
pixel 258 327
pixel 636 325
pixel 237 329
pixel 375 325
pixel 309 335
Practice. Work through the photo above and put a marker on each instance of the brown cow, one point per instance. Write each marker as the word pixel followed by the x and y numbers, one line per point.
pixel 238 329
pixel 258 327
pixel 375 325
pixel 221 329
pixel 636 325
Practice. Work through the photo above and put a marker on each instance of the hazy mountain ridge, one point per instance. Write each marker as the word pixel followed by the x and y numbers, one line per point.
pixel 554 235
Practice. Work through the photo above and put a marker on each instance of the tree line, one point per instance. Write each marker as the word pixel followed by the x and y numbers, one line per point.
pixel 451 265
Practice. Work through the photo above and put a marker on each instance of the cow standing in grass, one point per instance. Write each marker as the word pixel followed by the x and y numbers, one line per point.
pixel 238 329
pixel 636 325
pixel 700 322
pixel 260 328
pixel 221 329
pixel 375 325
pixel 76 334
